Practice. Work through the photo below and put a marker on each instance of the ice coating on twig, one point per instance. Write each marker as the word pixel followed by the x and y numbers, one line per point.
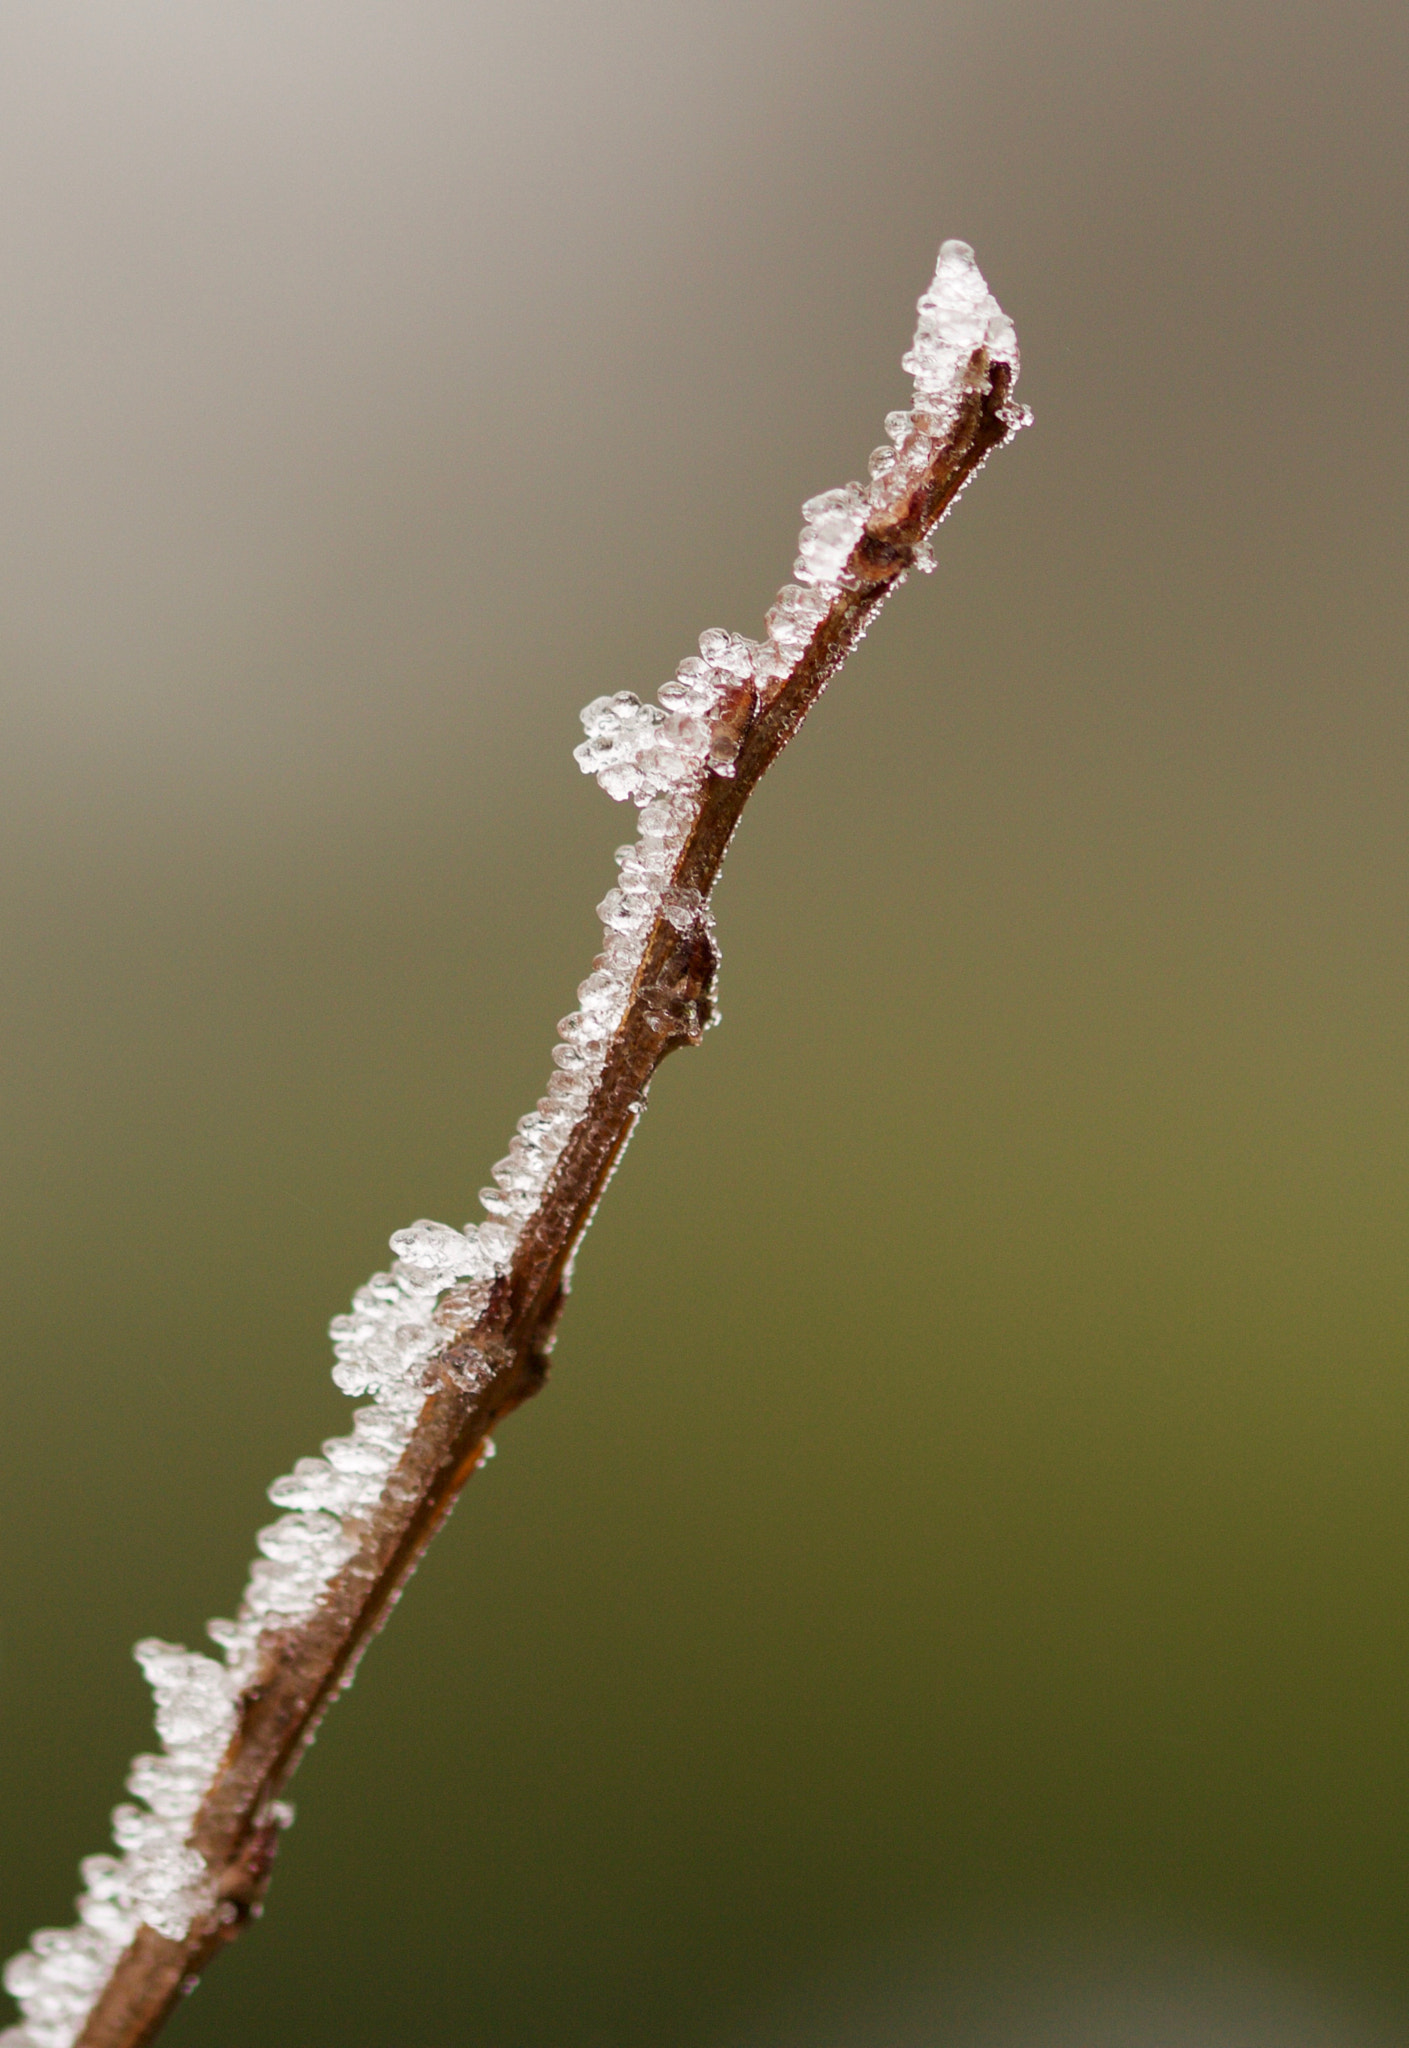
pixel 657 757
pixel 958 316
pixel 158 1879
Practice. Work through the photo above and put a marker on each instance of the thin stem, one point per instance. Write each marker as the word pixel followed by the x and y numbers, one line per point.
pixel 489 1366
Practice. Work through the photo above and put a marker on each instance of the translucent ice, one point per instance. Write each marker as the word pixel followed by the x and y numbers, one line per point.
pixel 314 1483
pixel 640 751
pixel 56 1981
pixel 834 523
pixel 438 1252
pixel 958 315
pixel 794 618
pixel 193 1707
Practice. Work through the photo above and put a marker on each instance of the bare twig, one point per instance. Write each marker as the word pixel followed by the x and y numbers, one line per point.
pixel 497 1335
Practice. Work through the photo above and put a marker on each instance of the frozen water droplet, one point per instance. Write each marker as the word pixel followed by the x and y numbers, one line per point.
pixel 834 523
pixel 958 316
pixel 313 1484
pixel 435 1249
pixel 682 908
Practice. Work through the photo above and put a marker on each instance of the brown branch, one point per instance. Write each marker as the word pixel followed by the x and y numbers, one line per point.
pixel 488 1368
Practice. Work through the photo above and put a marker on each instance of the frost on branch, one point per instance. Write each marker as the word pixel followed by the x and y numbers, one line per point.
pixel 658 757
pixel 958 316
pixel 158 1879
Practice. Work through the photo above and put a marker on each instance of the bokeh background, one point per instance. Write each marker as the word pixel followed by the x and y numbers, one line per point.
pixel 955 1589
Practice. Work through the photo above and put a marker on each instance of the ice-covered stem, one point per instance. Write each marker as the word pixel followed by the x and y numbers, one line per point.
pixel 458 1334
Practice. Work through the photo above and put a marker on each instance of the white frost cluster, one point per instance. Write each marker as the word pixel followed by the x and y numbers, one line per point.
pixel 158 1879
pixel 655 756
pixel 958 314
pixel 834 523
pixel 640 751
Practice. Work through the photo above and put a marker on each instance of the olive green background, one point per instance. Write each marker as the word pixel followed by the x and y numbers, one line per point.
pixel 956 1585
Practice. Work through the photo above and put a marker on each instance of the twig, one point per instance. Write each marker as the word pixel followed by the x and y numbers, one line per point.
pixel 479 1309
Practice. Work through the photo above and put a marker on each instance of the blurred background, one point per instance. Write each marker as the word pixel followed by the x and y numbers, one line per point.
pixel 955 1588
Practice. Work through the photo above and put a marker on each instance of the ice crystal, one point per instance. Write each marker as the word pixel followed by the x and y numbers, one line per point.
pixel 834 523
pixel 958 316
pixel 657 757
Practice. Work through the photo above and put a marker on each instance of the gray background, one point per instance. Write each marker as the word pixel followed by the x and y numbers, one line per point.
pixel 956 1586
